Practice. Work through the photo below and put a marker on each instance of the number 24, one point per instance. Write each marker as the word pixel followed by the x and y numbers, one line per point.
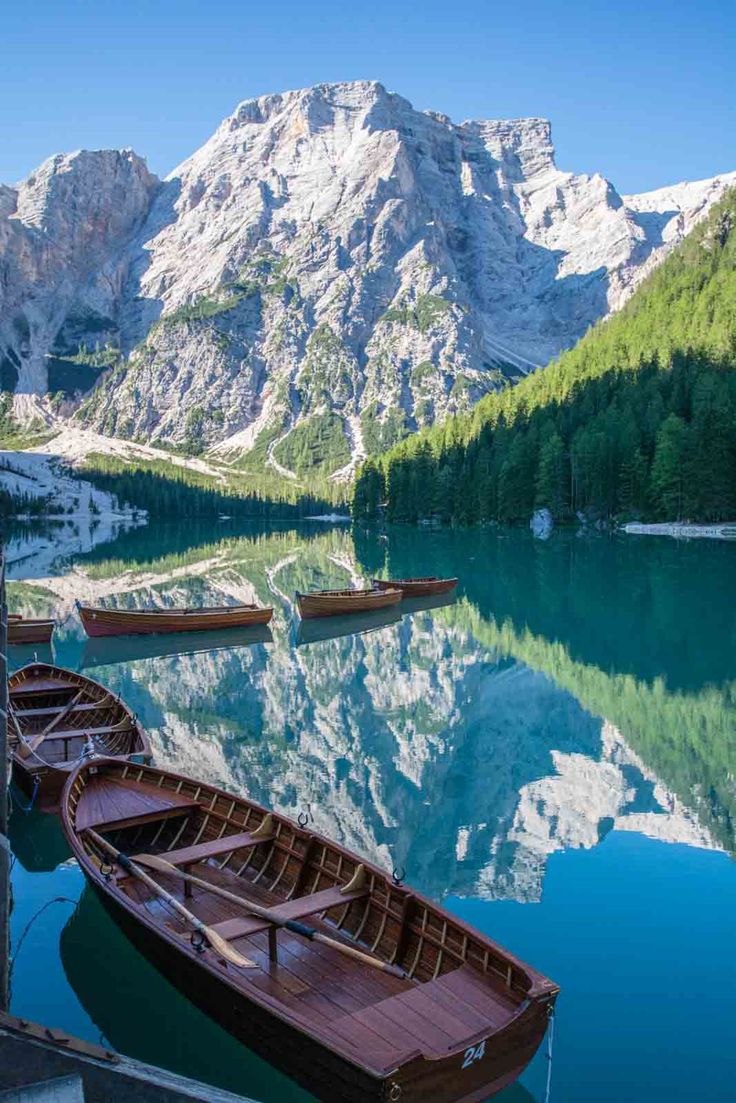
pixel 474 1054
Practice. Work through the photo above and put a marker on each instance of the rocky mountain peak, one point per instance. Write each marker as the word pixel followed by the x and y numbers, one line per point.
pixel 330 270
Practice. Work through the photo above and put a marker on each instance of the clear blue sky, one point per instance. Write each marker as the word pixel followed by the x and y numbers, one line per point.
pixel 643 92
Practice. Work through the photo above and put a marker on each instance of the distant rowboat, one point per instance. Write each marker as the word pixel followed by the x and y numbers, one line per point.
pixel 56 717
pixel 121 622
pixel 330 603
pixel 417 587
pixel 25 630
pixel 360 988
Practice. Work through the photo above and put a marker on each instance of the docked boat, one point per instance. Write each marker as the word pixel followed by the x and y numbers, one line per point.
pixel 56 717
pixel 358 987
pixel 122 622
pixel 330 603
pixel 28 630
pixel 417 587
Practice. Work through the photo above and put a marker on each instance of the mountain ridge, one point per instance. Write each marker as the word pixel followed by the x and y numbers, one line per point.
pixel 329 271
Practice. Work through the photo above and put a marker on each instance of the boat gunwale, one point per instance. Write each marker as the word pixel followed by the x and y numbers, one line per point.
pixel 541 989
pixel 366 593
pixel 175 611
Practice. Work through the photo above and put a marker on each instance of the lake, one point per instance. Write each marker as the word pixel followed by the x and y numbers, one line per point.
pixel 552 756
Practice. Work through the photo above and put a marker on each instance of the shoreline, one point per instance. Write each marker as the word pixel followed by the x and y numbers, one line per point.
pixel 681 530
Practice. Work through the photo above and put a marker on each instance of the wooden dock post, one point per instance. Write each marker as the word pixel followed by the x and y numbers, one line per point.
pixel 4 844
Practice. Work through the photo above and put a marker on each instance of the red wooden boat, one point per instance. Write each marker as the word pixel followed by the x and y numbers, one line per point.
pixel 360 988
pixel 417 587
pixel 56 716
pixel 121 622
pixel 27 630
pixel 330 603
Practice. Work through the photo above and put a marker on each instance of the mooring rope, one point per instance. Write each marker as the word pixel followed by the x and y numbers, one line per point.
pixel 550 1041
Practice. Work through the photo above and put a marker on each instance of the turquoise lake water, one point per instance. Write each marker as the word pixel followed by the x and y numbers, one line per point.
pixel 552 756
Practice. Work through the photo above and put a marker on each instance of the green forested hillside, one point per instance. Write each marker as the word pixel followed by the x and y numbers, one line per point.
pixel 638 420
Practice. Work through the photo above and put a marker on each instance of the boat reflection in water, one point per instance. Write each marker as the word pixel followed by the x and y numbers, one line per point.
pixel 99 960
pixel 317 629
pixel 105 651
pixel 425 604
pixel 355 624
pixel 20 654
pixel 36 839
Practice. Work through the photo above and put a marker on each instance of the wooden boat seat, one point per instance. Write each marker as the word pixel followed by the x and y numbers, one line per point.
pixel 43 685
pixel 215 848
pixel 103 797
pixel 53 710
pixel 440 1015
pixel 72 733
pixel 298 908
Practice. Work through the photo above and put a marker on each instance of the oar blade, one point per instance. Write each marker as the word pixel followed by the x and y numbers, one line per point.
pixel 223 948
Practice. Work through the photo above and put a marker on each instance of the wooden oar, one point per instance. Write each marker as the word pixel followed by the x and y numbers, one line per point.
pixel 29 745
pixel 216 941
pixel 159 863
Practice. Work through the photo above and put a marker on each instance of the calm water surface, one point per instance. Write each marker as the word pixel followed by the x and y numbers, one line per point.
pixel 553 756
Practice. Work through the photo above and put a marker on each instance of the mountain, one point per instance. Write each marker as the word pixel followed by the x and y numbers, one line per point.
pixel 332 269
pixel 638 420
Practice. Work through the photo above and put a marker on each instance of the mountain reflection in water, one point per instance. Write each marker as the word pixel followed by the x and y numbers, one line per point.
pixel 577 692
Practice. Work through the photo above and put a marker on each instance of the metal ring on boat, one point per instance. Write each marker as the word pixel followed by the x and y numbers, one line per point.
pixel 106 869
pixel 302 819
pixel 198 941
pixel 398 875
pixel 395 1093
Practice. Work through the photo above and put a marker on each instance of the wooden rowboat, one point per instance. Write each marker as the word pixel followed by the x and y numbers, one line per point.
pixel 330 603
pixel 417 587
pixel 360 988
pixel 121 622
pixel 26 630
pixel 56 716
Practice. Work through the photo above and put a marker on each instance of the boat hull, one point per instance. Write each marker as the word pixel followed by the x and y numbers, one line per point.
pixel 458 1027
pixel 316 1067
pixel 30 631
pixel 120 622
pixel 417 587
pixel 340 604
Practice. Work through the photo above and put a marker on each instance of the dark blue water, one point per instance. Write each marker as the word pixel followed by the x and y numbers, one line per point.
pixel 552 756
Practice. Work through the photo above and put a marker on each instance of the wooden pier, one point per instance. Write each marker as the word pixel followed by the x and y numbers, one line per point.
pixel 40 1063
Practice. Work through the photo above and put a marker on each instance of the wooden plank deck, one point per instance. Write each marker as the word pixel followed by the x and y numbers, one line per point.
pixel 369 1010
pixel 105 801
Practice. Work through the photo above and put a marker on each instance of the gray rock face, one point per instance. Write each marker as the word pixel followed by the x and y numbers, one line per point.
pixel 330 269
pixel 63 232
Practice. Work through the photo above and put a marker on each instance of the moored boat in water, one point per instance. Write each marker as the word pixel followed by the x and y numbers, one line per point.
pixel 357 986
pixel 330 603
pixel 98 621
pixel 29 630
pixel 55 717
pixel 417 587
